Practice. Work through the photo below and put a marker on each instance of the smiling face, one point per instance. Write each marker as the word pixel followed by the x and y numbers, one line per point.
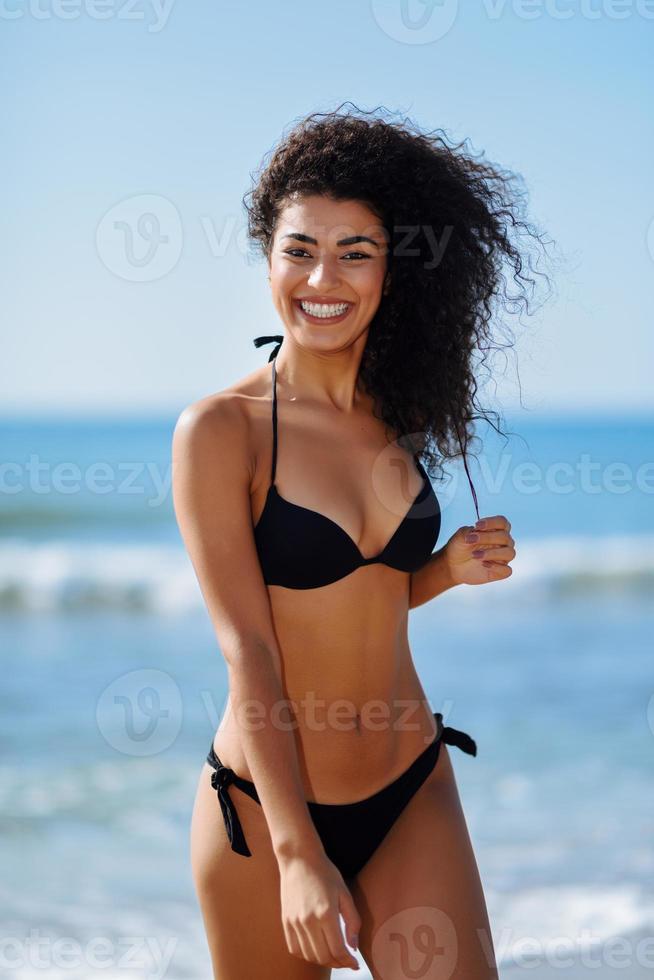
pixel 327 268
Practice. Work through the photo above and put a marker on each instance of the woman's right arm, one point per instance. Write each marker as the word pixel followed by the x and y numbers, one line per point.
pixel 212 470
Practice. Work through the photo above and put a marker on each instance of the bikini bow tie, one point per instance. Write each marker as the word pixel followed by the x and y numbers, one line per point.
pixel 221 779
pixel 276 338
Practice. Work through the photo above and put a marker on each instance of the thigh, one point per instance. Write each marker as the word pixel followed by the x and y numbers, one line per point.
pixel 420 895
pixel 239 896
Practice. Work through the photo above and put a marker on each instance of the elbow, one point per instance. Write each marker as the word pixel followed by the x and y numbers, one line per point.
pixel 243 652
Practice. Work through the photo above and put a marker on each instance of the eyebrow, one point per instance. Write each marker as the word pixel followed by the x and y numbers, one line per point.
pixel 344 241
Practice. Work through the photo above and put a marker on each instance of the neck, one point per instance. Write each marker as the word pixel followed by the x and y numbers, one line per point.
pixel 330 377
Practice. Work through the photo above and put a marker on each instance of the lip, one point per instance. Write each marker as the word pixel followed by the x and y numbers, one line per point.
pixel 328 300
pixel 323 319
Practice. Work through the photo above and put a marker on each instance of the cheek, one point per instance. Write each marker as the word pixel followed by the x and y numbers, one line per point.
pixel 283 278
pixel 369 283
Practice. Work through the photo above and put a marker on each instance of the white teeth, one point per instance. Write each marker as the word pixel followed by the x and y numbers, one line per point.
pixel 324 310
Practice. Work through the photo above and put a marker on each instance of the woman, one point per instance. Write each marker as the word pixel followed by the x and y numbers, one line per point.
pixel 310 520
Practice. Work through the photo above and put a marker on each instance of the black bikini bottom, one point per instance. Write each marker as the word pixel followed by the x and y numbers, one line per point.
pixel 350 832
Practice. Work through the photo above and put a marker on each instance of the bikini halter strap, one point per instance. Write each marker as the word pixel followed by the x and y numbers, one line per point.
pixel 258 342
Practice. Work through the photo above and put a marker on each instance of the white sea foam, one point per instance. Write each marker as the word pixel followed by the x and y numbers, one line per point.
pixel 570 920
pixel 64 575
pixel 539 930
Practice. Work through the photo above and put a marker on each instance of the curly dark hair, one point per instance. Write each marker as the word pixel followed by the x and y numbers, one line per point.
pixel 425 190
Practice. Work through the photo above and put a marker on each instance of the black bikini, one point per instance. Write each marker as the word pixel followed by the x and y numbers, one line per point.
pixel 288 539
pixel 302 549
pixel 350 832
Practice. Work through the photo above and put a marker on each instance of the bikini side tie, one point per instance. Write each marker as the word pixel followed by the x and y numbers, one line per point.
pixel 452 736
pixel 221 779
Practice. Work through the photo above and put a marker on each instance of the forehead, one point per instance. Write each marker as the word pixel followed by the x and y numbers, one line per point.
pixel 321 217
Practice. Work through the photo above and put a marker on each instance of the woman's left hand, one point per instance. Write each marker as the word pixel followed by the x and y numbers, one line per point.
pixel 484 559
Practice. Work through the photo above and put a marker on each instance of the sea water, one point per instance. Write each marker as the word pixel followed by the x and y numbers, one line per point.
pixel 113 684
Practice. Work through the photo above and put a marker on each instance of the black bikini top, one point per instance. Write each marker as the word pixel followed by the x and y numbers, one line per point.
pixel 299 548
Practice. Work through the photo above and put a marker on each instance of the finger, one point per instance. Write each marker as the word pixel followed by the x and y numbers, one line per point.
pixel 496 522
pixel 351 917
pixel 502 553
pixel 319 944
pixel 498 569
pixel 306 945
pixel 491 537
pixel 293 942
pixel 336 943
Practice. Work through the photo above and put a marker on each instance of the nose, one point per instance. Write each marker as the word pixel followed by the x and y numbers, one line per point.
pixel 324 275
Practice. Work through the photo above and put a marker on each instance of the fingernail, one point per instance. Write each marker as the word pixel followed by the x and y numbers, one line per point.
pixel 471 538
pixel 480 523
pixel 479 553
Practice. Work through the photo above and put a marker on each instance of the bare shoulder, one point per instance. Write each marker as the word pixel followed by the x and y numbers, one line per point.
pixel 213 465
pixel 229 420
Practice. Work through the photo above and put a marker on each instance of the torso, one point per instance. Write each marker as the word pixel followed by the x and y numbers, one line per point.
pixel 361 713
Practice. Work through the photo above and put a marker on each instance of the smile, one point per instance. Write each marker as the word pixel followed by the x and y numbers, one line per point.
pixel 323 311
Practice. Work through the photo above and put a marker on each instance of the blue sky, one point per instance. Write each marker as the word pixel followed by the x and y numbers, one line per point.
pixel 119 110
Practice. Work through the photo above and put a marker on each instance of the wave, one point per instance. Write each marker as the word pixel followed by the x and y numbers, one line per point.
pixel 62 518
pixel 64 576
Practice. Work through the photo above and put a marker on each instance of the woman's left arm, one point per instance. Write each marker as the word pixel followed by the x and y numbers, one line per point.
pixel 473 556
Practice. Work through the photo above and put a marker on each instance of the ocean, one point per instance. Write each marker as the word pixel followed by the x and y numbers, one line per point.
pixel 113 684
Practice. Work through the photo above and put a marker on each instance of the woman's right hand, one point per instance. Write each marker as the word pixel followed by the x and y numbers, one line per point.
pixel 313 893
